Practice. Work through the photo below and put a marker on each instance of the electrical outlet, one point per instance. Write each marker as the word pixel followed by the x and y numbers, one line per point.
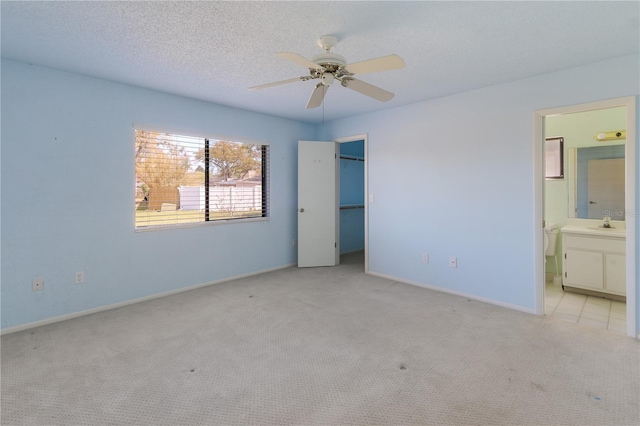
pixel 453 262
pixel 37 284
pixel 79 277
pixel 425 257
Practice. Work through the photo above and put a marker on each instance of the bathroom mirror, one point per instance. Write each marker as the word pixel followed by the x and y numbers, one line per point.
pixel 597 182
pixel 575 194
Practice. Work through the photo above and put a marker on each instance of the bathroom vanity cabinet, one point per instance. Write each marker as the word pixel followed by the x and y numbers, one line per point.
pixel 594 259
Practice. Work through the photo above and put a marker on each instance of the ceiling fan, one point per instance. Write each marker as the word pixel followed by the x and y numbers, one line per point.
pixel 329 67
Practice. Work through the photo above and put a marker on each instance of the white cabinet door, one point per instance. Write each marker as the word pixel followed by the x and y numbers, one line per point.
pixel 615 275
pixel 318 204
pixel 584 269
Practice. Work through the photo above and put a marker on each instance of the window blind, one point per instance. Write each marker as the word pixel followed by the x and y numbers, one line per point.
pixel 184 180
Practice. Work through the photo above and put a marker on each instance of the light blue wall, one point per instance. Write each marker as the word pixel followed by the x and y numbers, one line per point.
pixel 451 177
pixel 455 177
pixel 353 149
pixel 351 230
pixel 352 193
pixel 68 190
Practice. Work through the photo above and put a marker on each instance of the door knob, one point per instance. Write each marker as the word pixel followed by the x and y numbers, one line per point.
pixel 301 210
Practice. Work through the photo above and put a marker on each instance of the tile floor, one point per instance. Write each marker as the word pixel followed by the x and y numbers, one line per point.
pixel 586 310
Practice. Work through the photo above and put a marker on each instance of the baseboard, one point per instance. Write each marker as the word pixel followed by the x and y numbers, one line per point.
pixel 456 293
pixel 65 317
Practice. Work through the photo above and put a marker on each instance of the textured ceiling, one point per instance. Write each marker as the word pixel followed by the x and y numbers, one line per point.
pixel 214 51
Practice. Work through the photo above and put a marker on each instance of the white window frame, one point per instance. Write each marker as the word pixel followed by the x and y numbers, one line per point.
pixel 208 215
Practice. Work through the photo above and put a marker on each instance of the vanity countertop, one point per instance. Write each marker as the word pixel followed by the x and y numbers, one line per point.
pixel 595 231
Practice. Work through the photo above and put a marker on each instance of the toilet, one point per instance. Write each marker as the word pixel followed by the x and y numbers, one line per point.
pixel 550 243
pixel 550 240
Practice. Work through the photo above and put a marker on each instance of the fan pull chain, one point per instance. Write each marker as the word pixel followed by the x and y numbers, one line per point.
pixel 324 89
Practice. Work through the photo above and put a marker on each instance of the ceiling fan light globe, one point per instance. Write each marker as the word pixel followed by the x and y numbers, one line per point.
pixel 327 78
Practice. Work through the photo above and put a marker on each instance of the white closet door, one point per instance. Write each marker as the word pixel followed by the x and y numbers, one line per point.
pixel 318 204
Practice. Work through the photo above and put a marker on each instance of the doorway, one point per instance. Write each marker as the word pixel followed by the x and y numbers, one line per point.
pixel 579 236
pixel 353 199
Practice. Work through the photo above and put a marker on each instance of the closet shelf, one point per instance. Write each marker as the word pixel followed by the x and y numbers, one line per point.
pixel 351 206
pixel 351 157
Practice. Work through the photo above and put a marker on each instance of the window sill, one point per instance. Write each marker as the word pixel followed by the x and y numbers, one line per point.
pixel 201 224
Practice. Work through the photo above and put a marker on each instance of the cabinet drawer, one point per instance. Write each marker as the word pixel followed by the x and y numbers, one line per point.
pixel 611 245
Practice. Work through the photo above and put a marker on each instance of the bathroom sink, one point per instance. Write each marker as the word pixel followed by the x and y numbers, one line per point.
pixel 614 232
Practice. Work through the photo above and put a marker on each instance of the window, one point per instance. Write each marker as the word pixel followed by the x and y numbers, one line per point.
pixel 184 180
pixel 554 158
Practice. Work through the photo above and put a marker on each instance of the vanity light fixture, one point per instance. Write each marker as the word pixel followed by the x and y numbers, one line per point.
pixel 610 136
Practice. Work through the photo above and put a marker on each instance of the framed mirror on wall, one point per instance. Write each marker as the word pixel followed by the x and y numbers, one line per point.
pixel 597 182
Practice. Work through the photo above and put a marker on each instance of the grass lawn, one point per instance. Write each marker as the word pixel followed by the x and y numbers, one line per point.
pixel 154 217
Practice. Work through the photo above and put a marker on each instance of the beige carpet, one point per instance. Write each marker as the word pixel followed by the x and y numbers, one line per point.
pixel 321 346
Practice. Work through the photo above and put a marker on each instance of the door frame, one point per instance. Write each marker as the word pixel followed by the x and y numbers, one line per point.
pixel 355 138
pixel 630 198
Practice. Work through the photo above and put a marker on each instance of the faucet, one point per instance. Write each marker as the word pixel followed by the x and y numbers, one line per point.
pixel 606 223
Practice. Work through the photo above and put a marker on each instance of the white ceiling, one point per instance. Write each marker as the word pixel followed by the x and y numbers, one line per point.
pixel 214 51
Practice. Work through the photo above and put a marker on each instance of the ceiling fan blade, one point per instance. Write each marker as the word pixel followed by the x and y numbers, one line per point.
pixel 317 96
pixel 300 60
pixel 277 83
pixel 367 89
pixel 384 63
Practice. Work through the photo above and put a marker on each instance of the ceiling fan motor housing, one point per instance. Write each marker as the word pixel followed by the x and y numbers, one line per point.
pixel 329 59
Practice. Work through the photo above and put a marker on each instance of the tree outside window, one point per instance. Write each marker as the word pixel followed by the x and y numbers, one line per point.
pixel 177 182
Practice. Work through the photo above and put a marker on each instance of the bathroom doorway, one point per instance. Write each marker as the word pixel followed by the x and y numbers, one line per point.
pixel 586 264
